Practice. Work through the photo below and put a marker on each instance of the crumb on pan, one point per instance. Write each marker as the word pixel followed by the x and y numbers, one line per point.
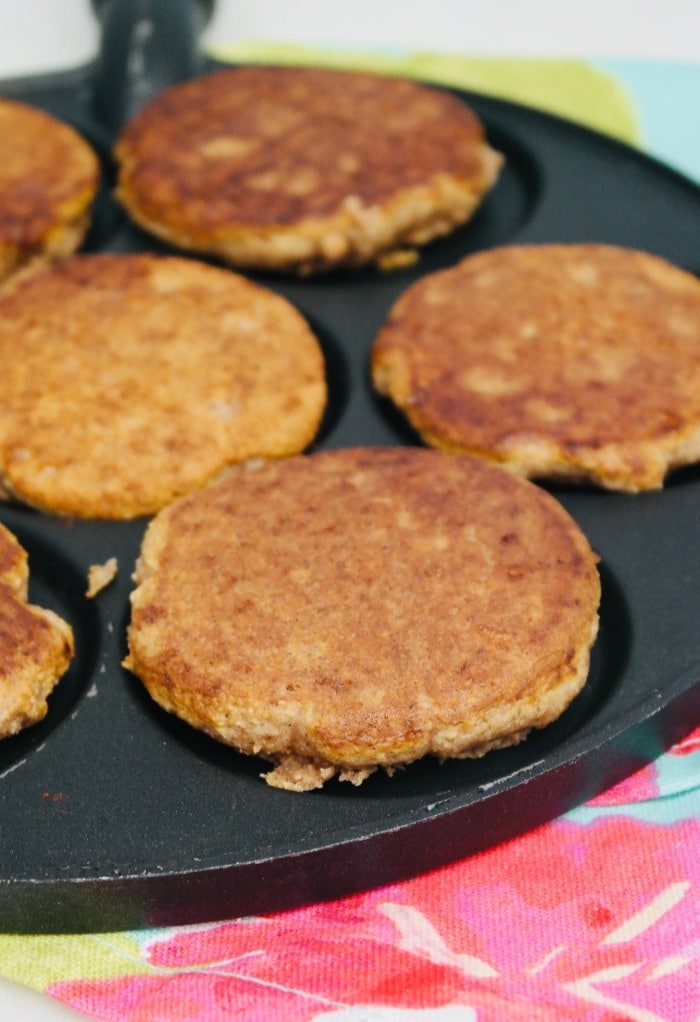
pixel 100 575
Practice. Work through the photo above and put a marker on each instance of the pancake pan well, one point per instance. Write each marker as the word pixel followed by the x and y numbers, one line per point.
pixel 116 816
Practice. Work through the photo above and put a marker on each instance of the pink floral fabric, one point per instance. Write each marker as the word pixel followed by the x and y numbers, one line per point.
pixel 591 918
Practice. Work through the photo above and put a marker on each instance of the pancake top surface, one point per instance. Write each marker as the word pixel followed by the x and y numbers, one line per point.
pixel 578 359
pixel 268 146
pixel 48 176
pixel 129 379
pixel 35 645
pixel 364 606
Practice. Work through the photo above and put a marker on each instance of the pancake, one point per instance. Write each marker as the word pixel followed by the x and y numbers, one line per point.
pixel 36 645
pixel 130 379
pixel 303 169
pixel 576 362
pixel 363 608
pixel 48 178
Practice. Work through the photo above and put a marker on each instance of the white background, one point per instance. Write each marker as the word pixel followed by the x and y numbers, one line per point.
pixel 51 34
pixel 41 35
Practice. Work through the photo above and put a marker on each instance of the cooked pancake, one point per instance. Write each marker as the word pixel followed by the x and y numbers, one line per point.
pixel 359 608
pixel 36 645
pixel 299 169
pixel 560 361
pixel 48 179
pixel 130 379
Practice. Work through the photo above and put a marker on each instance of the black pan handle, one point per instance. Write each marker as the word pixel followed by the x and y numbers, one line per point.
pixel 146 45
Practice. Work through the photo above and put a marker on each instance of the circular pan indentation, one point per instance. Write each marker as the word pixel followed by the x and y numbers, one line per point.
pixel 429 778
pixel 503 212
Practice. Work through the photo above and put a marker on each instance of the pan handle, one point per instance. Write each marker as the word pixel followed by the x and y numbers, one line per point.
pixel 146 45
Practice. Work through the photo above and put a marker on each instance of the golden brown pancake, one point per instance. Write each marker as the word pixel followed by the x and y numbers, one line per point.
pixel 359 608
pixel 48 179
pixel 130 379
pixel 300 169
pixel 36 645
pixel 560 361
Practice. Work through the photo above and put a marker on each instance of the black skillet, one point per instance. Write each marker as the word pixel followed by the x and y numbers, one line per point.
pixel 115 815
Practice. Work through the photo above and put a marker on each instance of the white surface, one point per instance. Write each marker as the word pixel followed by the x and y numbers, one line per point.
pixel 42 35
pixel 20 1004
pixel 38 35
pixel 596 28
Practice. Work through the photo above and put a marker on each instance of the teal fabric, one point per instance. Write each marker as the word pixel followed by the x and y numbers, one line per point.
pixel 666 97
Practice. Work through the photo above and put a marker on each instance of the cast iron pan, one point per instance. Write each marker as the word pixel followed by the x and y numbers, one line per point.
pixel 115 815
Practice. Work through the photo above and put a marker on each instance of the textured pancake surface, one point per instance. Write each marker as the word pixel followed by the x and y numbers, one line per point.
pixel 303 169
pixel 130 379
pixel 364 607
pixel 48 179
pixel 578 361
pixel 36 645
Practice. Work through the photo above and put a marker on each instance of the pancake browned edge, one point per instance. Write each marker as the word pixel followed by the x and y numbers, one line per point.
pixel 364 607
pixel 36 645
pixel 562 361
pixel 48 179
pixel 131 379
pixel 303 169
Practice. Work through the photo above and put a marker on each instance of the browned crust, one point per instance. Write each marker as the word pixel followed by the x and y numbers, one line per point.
pixel 48 179
pixel 36 646
pixel 100 576
pixel 565 361
pixel 364 607
pixel 131 379
pixel 303 169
